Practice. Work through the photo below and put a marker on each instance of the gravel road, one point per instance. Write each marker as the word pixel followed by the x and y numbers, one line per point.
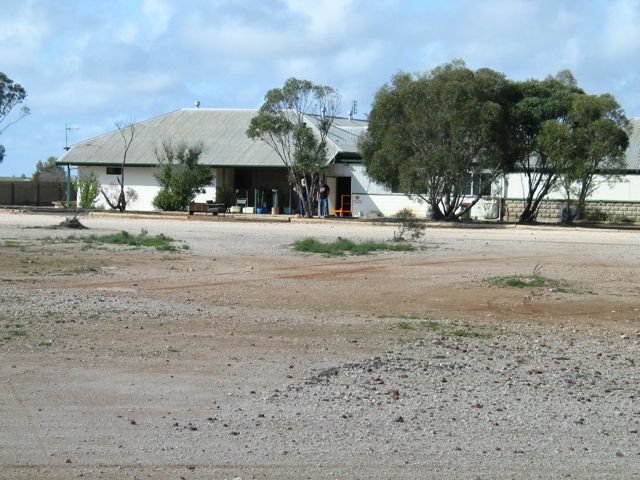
pixel 237 357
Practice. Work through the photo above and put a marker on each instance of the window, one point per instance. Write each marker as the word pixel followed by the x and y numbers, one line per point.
pixel 481 184
pixel 114 170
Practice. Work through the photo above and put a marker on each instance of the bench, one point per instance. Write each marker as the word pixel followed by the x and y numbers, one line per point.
pixel 209 207
pixel 197 207
pixel 216 208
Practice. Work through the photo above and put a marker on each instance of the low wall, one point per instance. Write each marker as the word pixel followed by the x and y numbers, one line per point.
pixel 33 193
pixel 596 210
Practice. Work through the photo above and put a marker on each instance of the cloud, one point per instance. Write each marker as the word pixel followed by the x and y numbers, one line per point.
pixel 621 35
pixel 158 15
pixel 25 29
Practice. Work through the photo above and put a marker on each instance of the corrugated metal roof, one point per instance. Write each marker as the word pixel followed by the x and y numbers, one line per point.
pixel 633 151
pixel 222 131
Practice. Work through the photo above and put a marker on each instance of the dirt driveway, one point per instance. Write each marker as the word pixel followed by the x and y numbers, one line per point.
pixel 237 357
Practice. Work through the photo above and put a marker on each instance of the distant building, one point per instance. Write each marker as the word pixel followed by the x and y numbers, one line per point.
pixel 251 169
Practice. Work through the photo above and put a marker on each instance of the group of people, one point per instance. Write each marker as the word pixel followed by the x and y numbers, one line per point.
pixel 322 196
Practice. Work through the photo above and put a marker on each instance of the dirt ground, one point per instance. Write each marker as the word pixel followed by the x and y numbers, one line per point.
pixel 238 357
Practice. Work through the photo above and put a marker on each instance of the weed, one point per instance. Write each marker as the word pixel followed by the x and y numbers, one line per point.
pixel 469 334
pixel 409 224
pixel 342 245
pixel 17 333
pixel 30 260
pixel 534 280
pixel 405 326
pixel 84 269
pixel 431 325
pixel 46 343
pixel 12 243
pixel 159 242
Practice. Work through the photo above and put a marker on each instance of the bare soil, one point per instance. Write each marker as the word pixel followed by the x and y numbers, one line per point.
pixel 238 357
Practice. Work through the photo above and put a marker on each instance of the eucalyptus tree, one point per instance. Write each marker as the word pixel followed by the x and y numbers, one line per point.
pixel 570 141
pixel 598 138
pixel 543 145
pixel 12 94
pixel 294 121
pixel 430 135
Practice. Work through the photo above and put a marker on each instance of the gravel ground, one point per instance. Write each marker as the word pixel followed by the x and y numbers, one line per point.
pixel 239 358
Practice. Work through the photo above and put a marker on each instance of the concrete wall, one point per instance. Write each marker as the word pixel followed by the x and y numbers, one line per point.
pixel 33 193
pixel 550 210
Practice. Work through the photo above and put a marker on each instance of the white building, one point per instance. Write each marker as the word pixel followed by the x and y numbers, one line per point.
pixel 251 169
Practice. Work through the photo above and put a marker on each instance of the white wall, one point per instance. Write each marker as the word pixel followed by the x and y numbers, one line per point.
pixel 141 180
pixel 369 197
pixel 626 188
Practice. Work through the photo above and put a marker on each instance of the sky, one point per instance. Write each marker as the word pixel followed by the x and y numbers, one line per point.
pixel 87 64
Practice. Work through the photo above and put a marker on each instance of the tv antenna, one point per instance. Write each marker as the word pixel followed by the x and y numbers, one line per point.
pixel 354 109
pixel 66 135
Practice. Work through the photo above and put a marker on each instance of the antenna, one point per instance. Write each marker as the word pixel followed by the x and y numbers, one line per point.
pixel 66 135
pixel 354 109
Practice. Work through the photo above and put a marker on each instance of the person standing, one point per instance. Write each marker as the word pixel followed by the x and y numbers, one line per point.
pixel 302 194
pixel 323 196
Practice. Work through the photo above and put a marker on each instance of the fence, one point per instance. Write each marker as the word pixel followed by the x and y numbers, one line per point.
pixel 34 193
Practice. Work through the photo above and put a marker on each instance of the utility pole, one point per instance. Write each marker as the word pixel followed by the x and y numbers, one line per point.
pixel 66 148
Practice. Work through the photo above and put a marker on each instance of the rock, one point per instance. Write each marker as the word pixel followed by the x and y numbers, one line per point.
pixel 398 419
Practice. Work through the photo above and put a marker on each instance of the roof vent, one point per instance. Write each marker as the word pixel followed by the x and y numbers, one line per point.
pixel 197 104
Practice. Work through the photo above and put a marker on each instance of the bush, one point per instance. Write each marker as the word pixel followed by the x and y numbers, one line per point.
pixel 180 176
pixel 89 186
pixel 408 223
pixel 342 245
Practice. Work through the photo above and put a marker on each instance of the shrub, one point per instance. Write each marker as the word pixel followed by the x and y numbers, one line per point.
pixel 89 186
pixel 408 223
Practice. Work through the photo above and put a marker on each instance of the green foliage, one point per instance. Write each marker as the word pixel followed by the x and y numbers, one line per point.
pixel 518 281
pixel 430 134
pixel 159 242
pixel 294 121
pixel 535 280
pixel 49 171
pixel 409 224
pixel 591 140
pixel 538 156
pixel 11 95
pixel 225 193
pixel 405 326
pixel 180 176
pixel 88 186
pixel 440 327
pixel 342 245
pixel 460 332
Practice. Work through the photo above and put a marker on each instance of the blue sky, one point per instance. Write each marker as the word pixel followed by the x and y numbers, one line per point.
pixel 90 63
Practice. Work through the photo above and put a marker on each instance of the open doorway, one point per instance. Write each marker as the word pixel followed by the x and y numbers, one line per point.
pixel 342 197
